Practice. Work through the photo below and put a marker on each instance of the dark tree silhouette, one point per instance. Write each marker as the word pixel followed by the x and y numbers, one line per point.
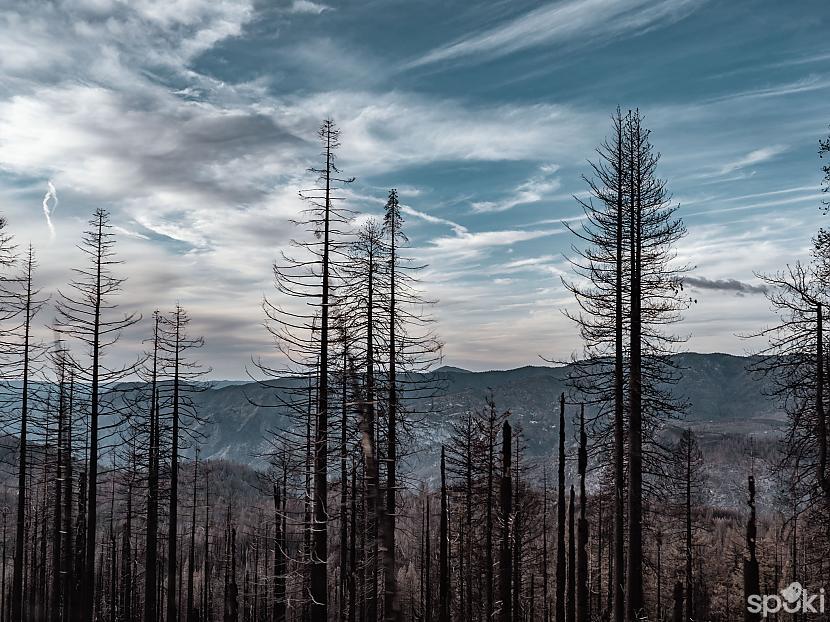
pixel 583 602
pixel 444 548
pixel 751 570
pixel 86 313
pixel 506 512
pixel 561 566
pixel 306 342
pixel 21 301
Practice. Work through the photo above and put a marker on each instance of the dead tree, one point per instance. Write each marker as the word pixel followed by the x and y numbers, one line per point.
pixel 560 522
pixel 444 547
pixel 175 349
pixel 751 570
pixel 582 590
pixel 21 303
pixel 570 613
pixel 86 314
pixel 305 340
pixel 506 558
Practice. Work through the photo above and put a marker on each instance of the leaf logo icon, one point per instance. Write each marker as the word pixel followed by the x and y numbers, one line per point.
pixel 792 592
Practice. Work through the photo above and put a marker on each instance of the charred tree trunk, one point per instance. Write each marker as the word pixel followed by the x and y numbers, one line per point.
pixel 506 559
pixel 57 529
pixel 688 532
pixel 428 566
pixel 545 597
pixel 821 419
pixel 344 496
pixel 570 613
pixel 151 537
pixel 488 526
pixel 20 531
pixel 127 586
pixel 319 561
pixel 370 466
pixel 391 606
pixel 191 556
pixel 617 559
pixel 560 512
pixel 634 571
pixel 677 594
pixel 173 509
pixel 67 573
pixel 582 588
pixel 516 532
pixel 751 572
pixel 443 549
pixel 353 548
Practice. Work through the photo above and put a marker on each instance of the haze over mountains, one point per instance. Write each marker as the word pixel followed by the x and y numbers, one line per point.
pixel 724 397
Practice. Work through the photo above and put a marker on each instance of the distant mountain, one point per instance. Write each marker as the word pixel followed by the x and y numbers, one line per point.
pixel 724 399
pixel 728 409
pixel 449 369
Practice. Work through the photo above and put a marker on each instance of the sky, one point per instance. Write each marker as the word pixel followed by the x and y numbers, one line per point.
pixel 193 122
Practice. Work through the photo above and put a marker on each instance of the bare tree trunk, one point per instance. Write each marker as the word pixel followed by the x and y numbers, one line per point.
pixel 20 532
pixel 688 531
pixel 57 529
pixel 516 531
pixel 126 599
pixel 488 527
pixel 319 560
pixel 583 602
pixel 344 495
pixel 751 572
pixel 68 575
pixel 634 573
pixel 618 558
pixel 570 614
pixel 370 436
pixel 151 538
pixel 821 421
pixel 545 597
pixel 353 548
pixel 560 512
pixel 506 559
pixel 428 567
pixel 391 606
pixel 191 556
pixel 443 549
pixel 88 578
pixel 173 508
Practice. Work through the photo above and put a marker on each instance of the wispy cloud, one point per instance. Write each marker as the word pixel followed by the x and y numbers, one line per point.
pixel 582 21
pixel 306 6
pixel 130 233
pixel 459 229
pixel 530 190
pixel 802 85
pixel 753 157
pixel 48 210
pixel 470 244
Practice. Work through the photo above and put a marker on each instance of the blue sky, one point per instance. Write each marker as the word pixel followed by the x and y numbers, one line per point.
pixel 193 122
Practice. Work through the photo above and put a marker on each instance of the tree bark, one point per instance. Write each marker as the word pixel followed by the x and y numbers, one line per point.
pixel 560 512
pixel 506 559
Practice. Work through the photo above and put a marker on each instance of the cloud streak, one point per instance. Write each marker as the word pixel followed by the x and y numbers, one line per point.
pixel 531 190
pixel 51 195
pixel 756 156
pixel 574 21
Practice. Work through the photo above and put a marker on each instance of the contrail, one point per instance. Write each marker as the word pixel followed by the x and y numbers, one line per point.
pixel 47 211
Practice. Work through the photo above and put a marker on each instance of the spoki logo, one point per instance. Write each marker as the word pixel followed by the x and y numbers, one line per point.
pixel 792 599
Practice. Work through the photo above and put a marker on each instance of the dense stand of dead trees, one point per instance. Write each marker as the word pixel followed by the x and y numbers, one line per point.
pixel 113 516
